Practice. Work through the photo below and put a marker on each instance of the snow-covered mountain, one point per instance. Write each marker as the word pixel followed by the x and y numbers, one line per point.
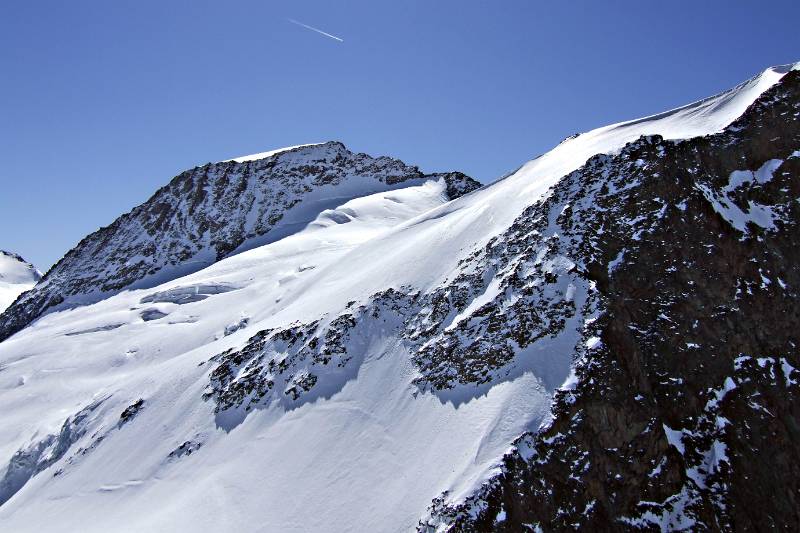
pixel 16 277
pixel 211 212
pixel 605 338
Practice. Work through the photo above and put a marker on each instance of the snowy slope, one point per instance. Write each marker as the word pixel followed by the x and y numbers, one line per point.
pixel 16 277
pixel 363 446
pixel 670 421
pixel 269 153
pixel 210 212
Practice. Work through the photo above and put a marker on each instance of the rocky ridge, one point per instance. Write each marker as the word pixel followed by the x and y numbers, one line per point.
pixel 210 212
pixel 682 414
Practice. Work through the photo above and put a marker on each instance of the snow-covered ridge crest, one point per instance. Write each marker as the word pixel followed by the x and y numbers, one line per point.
pixel 704 117
pixel 270 153
pixel 498 204
pixel 660 236
pixel 712 114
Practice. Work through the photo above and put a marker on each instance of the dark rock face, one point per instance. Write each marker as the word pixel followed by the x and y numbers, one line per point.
pixel 301 361
pixel 210 212
pixel 522 287
pixel 131 411
pixel 684 410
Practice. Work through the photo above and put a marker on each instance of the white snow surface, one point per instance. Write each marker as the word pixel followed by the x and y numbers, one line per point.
pixel 16 277
pixel 270 153
pixel 368 457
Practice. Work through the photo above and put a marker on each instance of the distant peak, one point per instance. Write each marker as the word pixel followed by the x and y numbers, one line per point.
pixel 13 255
pixel 15 269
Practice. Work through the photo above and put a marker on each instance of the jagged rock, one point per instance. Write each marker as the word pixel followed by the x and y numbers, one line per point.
pixel 683 414
pixel 648 296
pixel 294 359
pixel 131 411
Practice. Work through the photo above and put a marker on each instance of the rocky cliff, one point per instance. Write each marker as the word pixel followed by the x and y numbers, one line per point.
pixel 683 410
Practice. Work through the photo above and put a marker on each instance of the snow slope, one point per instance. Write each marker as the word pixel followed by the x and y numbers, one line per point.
pixel 368 452
pixel 16 277
pixel 270 153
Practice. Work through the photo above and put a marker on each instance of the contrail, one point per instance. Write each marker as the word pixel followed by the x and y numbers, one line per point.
pixel 312 28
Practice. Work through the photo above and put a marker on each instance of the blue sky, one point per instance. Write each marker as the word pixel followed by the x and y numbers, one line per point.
pixel 103 102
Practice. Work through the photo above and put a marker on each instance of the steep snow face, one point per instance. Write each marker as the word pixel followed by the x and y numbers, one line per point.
pixel 270 153
pixel 303 385
pixel 16 277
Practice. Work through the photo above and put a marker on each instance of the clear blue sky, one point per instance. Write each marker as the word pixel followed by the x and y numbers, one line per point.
pixel 103 102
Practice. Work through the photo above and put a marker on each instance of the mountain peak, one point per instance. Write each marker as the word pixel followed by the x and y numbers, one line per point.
pixel 210 212
pixel 310 147
pixel 604 340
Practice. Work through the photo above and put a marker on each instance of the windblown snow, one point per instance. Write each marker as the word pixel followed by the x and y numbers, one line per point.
pixel 103 425
pixel 270 153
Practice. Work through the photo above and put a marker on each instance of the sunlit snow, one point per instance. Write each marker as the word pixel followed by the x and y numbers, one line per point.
pixel 369 457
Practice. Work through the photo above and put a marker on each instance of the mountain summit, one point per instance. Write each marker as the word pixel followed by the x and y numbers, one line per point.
pixel 211 212
pixel 604 339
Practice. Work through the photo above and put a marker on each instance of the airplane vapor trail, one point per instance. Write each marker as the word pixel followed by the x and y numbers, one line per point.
pixel 312 28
